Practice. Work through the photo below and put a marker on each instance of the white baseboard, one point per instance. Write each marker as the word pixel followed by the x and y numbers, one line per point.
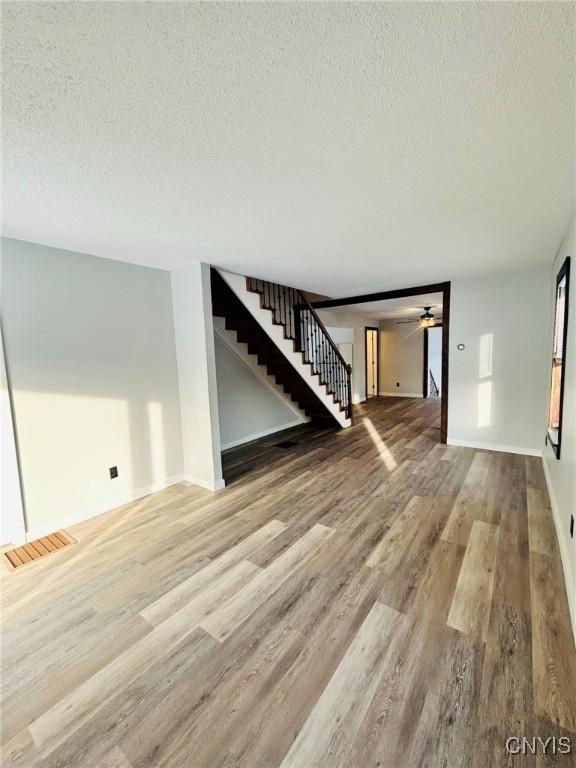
pixel 495 447
pixel 263 433
pixel 569 577
pixel 101 508
pixel 217 485
pixel 400 394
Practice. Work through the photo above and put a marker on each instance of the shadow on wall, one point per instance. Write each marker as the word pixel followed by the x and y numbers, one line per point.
pixel 91 363
pixel 69 442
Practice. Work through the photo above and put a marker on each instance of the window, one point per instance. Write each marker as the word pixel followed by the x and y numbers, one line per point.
pixel 558 358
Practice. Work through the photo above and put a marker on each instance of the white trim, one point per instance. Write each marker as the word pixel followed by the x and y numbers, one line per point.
pixel 103 507
pixel 217 485
pixel 264 433
pixel 496 447
pixel 569 577
pixel 400 394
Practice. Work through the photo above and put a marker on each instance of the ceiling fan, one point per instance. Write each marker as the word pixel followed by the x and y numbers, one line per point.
pixel 427 320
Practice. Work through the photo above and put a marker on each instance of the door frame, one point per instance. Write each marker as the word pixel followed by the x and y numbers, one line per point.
pixel 366 329
pixel 401 293
pixel 425 377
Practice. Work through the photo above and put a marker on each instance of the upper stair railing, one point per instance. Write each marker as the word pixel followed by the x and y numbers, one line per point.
pixel 302 324
pixel 432 386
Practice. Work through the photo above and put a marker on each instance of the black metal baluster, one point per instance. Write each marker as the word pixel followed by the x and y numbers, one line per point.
pixel 336 374
pixel 321 353
pixel 280 304
pixel 332 371
pixel 308 339
pixel 315 334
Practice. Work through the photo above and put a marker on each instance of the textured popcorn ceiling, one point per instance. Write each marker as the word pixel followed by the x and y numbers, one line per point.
pixel 337 147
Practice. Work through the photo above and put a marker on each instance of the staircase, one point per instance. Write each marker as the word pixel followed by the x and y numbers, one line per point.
pixel 288 338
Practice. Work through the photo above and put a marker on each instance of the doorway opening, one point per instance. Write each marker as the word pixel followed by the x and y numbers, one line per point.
pixel 371 357
pixel 432 373
pixel 404 318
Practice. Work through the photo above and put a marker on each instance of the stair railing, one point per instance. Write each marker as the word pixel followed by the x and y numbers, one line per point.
pixel 432 386
pixel 302 324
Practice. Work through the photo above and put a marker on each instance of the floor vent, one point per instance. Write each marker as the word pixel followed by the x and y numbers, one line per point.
pixel 285 444
pixel 36 550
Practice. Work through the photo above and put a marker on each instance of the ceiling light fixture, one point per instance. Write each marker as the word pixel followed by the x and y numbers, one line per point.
pixel 427 319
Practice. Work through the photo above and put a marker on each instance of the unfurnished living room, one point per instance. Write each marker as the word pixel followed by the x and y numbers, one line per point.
pixel 288 362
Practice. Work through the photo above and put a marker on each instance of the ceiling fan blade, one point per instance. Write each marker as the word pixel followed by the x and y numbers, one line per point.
pixel 436 319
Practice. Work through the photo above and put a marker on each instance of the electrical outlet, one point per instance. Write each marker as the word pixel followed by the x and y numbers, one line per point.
pixel 397 383
pixel 571 526
pixel 113 472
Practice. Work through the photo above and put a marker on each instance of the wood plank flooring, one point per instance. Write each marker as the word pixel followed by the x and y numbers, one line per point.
pixel 365 597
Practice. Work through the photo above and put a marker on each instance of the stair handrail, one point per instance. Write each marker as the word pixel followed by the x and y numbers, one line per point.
pixel 348 368
pixel 281 304
pixel 311 309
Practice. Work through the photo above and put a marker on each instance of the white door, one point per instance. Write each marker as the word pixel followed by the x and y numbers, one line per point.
pixel 371 362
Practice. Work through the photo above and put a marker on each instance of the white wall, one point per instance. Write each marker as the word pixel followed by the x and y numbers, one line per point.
pixel 248 408
pixel 12 524
pixel 351 326
pixel 341 335
pixel 561 473
pixel 91 360
pixel 498 383
pixel 401 358
pixel 194 333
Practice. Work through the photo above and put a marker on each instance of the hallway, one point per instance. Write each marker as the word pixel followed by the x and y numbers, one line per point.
pixel 392 413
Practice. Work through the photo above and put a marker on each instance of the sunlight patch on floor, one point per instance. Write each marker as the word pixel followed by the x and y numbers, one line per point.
pixel 380 445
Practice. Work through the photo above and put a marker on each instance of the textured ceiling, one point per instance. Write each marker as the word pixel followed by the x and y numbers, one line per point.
pixel 338 147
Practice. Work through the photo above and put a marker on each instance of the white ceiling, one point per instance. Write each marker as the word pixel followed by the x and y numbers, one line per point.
pixel 342 148
pixel 392 309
